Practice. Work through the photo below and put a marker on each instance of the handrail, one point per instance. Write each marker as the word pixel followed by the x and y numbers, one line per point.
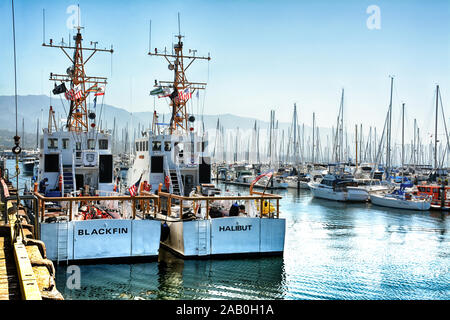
pixel 180 181
pixel 61 174
pixel 95 198
pixel 260 196
pixel 213 198
pixel 42 199
pixel 167 173
pixel 74 183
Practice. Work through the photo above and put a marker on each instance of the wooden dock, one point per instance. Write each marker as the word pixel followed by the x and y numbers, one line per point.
pixel 25 272
pixel 9 280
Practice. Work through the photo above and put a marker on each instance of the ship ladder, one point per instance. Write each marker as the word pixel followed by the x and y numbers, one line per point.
pixel 62 253
pixel 202 226
pixel 175 182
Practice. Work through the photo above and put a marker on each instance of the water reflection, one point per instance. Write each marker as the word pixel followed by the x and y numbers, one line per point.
pixel 333 250
pixel 175 278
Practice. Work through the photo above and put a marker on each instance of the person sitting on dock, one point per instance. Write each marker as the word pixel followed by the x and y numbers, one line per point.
pixel 43 185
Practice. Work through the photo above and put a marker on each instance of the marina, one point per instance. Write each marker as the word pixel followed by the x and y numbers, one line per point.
pixel 300 201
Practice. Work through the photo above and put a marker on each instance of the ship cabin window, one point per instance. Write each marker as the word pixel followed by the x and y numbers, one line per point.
pixel 167 146
pixel 137 146
pixel 91 144
pixel 65 143
pixel 78 146
pixel 142 145
pixel 146 146
pixel 52 143
pixel 156 146
pixel 103 144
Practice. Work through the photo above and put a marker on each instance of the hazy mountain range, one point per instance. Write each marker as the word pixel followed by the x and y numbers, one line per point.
pixel 34 107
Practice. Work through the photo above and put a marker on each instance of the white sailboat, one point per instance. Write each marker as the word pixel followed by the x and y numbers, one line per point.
pixel 401 199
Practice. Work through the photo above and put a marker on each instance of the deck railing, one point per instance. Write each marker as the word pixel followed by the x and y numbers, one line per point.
pixel 256 196
pixel 146 202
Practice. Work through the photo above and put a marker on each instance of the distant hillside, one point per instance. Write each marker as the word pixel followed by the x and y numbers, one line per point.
pixel 34 107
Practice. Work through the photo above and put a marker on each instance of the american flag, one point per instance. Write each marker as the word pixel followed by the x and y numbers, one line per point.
pixel 135 187
pixel 185 94
pixel 78 92
pixel 69 94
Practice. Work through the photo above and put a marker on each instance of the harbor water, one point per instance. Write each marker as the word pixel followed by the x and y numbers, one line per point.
pixel 332 251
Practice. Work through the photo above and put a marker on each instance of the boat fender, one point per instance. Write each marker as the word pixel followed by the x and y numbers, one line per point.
pixel 167 182
pixel 165 231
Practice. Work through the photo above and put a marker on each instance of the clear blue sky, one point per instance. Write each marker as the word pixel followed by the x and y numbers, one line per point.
pixel 265 54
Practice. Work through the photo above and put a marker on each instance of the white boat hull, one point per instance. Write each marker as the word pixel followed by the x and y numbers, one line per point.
pixel 101 239
pixel 226 236
pixel 381 200
pixel 296 185
pixel 351 195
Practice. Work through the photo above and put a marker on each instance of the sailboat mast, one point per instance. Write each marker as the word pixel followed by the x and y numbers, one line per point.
pixel 388 144
pixel 314 119
pixel 295 135
pixel 356 143
pixel 435 128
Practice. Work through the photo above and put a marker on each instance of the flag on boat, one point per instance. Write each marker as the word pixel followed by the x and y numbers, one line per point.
pixel 94 88
pixel 165 93
pixel 160 92
pixel 75 93
pixel 78 92
pixel 157 91
pixel 69 94
pixel 100 91
pixel 185 94
pixel 59 89
pixel 134 189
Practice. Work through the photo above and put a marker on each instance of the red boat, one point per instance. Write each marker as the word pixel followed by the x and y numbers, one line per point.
pixel 440 195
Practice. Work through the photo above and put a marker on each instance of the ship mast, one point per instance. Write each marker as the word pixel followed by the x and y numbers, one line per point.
pixel 77 119
pixel 177 62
